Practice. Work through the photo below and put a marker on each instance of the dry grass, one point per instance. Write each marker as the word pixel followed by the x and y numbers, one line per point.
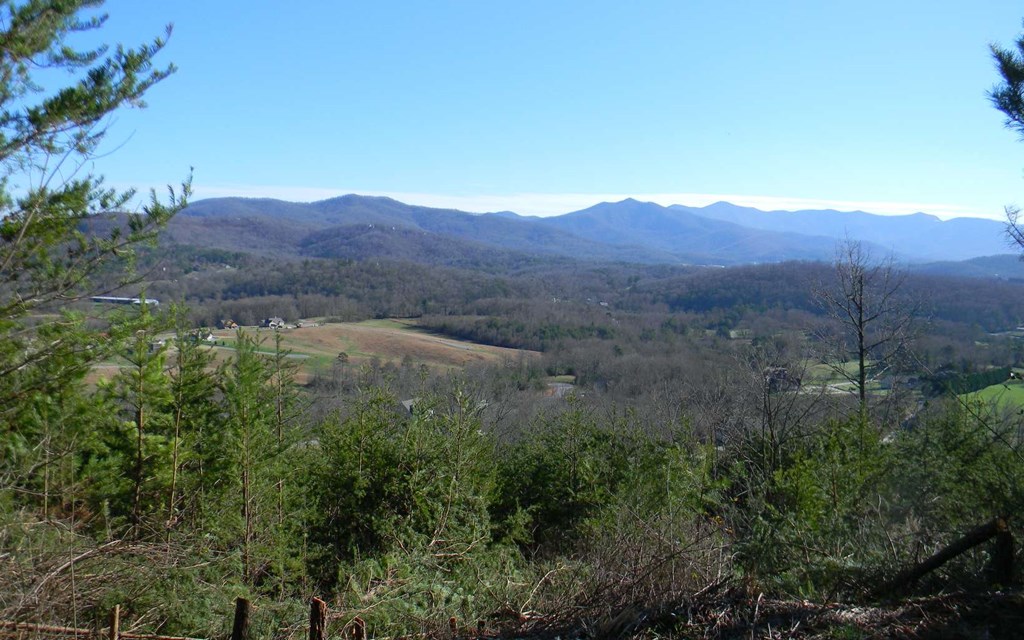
pixel 392 341
pixel 386 340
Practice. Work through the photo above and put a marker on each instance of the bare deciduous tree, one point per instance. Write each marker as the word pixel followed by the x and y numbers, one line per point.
pixel 872 321
pixel 775 373
pixel 1014 228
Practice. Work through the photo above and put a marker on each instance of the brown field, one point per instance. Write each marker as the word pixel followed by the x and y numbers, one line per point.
pixel 391 341
pixel 317 347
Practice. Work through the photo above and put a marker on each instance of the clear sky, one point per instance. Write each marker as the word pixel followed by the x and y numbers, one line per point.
pixel 545 107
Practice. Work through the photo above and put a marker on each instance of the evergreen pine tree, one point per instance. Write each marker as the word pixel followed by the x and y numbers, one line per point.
pixel 142 390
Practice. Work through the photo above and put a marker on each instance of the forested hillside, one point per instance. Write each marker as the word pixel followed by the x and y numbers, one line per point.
pixel 360 227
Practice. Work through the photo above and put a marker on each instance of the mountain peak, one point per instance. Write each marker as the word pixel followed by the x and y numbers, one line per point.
pixel 355 197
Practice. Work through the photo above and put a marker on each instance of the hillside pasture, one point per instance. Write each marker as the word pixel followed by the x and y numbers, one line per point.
pixel 1004 396
pixel 392 341
pixel 389 341
pixel 318 345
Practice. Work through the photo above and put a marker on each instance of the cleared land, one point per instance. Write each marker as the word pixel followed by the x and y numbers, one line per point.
pixel 838 377
pixel 318 347
pixel 1002 396
pixel 388 340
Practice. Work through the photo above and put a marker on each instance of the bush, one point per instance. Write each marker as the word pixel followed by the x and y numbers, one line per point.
pixel 401 530
pixel 815 529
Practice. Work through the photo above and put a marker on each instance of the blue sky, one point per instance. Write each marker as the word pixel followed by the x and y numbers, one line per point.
pixel 546 107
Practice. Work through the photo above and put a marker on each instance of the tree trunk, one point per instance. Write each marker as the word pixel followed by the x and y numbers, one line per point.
pixel 240 628
pixel 115 623
pixel 317 619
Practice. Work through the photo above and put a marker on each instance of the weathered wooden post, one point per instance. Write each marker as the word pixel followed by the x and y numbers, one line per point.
pixel 240 628
pixel 1002 556
pixel 358 628
pixel 317 619
pixel 115 622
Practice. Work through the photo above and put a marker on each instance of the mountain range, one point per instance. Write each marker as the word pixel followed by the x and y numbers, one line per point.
pixel 360 227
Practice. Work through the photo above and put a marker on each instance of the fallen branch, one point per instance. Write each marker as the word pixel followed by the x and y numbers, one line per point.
pixel 67 565
pixel 18 627
pixel 971 539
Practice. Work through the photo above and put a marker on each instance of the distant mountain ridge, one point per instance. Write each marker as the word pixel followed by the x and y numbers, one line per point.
pixel 626 231
pixel 684 232
pixel 917 236
pixel 202 221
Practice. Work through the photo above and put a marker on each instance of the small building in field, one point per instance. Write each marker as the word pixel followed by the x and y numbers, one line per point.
pixel 122 300
pixel 202 336
pixel 274 323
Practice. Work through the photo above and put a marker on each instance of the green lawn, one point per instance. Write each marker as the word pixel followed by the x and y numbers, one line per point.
pixel 1005 395
pixel 822 373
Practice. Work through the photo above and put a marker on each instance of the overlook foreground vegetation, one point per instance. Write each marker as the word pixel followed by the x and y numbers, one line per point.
pixel 686 451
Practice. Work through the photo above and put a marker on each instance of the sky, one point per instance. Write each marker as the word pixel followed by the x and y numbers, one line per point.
pixel 545 107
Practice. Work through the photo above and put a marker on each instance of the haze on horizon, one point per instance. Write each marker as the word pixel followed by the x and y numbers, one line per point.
pixel 544 109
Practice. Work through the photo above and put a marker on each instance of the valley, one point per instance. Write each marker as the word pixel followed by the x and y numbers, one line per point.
pixel 604 401
pixel 487 409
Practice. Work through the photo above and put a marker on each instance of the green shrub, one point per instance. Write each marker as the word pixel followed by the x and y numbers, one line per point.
pixel 562 472
pixel 401 530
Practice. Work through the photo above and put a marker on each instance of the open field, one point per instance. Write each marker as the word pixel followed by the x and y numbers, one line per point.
pixel 389 341
pixel 317 347
pixel 838 378
pixel 820 372
pixel 1002 396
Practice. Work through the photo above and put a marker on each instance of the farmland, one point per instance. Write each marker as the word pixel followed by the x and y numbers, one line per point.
pixel 389 341
pixel 317 345
pixel 1003 396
